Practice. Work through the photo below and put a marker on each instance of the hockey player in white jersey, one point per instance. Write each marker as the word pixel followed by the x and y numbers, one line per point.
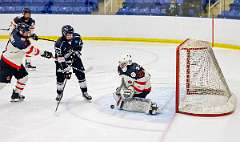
pixel 26 18
pixel 135 86
pixel 12 57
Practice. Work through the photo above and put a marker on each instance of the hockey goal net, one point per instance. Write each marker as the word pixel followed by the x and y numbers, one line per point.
pixel 201 89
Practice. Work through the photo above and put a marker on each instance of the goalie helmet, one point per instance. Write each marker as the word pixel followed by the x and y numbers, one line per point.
pixel 125 60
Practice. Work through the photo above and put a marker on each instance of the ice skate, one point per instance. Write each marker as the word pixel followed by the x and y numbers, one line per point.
pixel 16 97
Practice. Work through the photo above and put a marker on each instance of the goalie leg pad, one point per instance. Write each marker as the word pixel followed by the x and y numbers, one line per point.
pixel 140 105
pixel 137 105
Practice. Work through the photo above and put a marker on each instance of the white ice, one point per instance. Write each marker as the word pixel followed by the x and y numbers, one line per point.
pixel 34 120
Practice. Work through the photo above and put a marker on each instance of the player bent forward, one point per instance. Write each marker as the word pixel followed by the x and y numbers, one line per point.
pixel 135 86
pixel 12 57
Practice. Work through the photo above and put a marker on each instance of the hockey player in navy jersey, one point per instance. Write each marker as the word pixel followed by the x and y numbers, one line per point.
pixel 26 18
pixel 68 58
pixel 11 64
pixel 135 86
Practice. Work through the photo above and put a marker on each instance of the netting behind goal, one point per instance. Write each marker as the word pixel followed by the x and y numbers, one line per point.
pixel 201 88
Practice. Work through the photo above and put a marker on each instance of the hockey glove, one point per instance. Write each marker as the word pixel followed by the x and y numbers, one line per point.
pixel 67 75
pixel 118 91
pixel 128 93
pixel 47 54
pixel 34 37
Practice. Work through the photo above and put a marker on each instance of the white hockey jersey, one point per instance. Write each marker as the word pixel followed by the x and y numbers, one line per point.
pixel 16 50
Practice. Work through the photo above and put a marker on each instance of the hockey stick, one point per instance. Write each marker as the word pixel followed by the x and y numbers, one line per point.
pixel 123 85
pixel 65 82
pixel 5 29
pixel 46 39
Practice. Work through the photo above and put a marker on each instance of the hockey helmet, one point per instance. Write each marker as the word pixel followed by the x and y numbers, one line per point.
pixel 125 60
pixel 26 14
pixel 26 10
pixel 67 29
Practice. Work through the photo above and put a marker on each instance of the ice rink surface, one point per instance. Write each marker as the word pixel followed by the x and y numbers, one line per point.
pixel 34 120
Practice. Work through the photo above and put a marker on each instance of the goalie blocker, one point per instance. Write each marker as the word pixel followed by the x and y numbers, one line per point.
pixel 135 86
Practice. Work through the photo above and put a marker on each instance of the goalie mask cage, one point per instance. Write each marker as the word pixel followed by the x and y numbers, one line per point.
pixel 201 89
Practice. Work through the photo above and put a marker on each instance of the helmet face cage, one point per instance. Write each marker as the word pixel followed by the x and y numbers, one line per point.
pixel 67 29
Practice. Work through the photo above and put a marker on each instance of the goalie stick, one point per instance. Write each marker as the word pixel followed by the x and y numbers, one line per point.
pixel 123 85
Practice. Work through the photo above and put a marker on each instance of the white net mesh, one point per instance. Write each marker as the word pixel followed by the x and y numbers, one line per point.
pixel 202 87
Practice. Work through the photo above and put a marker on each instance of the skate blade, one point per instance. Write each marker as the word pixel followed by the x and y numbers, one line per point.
pixel 87 100
pixel 157 112
pixel 58 100
pixel 16 100
pixel 31 69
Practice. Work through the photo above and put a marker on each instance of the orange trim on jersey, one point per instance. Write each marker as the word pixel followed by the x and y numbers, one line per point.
pixel 137 89
pixel 147 90
pixel 38 51
pixel 20 83
pixel 30 50
pixel 141 90
pixel 10 63
pixel 141 83
pixel 19 88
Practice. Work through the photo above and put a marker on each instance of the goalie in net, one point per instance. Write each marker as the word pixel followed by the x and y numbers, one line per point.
pixel 135 86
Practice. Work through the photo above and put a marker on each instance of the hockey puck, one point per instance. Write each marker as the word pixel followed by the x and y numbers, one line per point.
pixel 112 106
